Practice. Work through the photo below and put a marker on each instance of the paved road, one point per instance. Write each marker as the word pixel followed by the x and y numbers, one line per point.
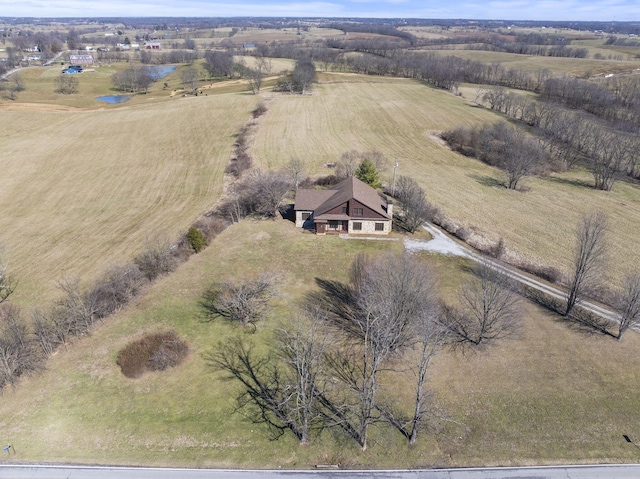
pixel 48 63
pixel 629 471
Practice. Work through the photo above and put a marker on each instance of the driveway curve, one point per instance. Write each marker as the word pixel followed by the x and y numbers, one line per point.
pixel 443 244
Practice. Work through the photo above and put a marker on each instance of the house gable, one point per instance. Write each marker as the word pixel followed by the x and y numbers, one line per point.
pixel 336 210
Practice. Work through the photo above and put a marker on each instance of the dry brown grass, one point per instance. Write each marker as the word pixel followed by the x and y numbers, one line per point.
pixel 571 66
pixel 81 189
pixel 84 189
pixel 553 394
pixel 400 117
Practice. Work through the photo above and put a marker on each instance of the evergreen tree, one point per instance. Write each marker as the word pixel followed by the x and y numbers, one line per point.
pixel 368 173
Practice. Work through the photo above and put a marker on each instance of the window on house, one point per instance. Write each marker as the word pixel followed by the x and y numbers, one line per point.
pixel 333 224
pixel 344 210
pixel 357 226
pixel 379 226
pixel 305 216
pixel 358 212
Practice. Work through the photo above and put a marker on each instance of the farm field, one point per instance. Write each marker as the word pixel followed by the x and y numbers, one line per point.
pixel 521 401
pixel 85 189
pixel 84 186
pixel 401 118
pixel 580 67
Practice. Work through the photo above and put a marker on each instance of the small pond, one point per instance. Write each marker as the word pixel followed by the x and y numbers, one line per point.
pixel 113 99
pixel 160 71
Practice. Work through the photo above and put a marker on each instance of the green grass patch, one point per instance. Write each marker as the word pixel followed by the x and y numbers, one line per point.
pixel 553 394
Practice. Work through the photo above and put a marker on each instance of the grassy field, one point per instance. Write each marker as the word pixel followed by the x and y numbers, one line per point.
pixel 84 186
pixel 580 67
pixel 522 401
pixel 399 118
pixel 83 189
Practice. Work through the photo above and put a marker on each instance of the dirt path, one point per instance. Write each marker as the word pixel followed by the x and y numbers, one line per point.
pixel 443 244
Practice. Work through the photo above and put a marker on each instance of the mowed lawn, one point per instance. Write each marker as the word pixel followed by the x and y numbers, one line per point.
pixel 552 394
pixel 401 118
pixel 82 190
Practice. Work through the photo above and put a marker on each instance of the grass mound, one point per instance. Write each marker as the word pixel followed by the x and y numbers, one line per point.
pixel 154 352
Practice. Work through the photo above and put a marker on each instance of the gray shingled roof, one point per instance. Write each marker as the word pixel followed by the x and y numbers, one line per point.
pixel 309 200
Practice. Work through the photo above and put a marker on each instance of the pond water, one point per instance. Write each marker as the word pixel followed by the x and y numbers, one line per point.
pixel 160 71
pixel 157 72
pixel 113 99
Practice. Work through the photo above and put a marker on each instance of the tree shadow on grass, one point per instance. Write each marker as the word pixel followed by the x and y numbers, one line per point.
pixel 486 180
pixel 580 320
pixel 571 182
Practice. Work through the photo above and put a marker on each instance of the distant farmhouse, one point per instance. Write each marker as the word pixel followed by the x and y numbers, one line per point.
pixel 351 207
pixel 81 59
pixel 152 45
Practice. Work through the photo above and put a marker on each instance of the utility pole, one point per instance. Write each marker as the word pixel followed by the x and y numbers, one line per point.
pixel 393 188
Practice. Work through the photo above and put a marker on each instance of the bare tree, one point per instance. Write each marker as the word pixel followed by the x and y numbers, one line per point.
pixel 428 338
pixel 378 311
pixel 347 165
pixel 255 76
pixel 302 346
pixel 156 259
pixel 500 145
pixel 610 156
pixel 244 301
pixel 7 283
pixel 304 73
pixel 295 168
pixel 133 79
pixel 490 309
pixel 44 331
pixel 18 353
pixel 415 207
pixel 72 315
pixel 257 73
pixel 219 64
pixel 116 287
pixel 630 304
pixel 525 159
pixel 66 84
pixel 262 192
pixel 190 78
pixel 282 389
pixel 589 261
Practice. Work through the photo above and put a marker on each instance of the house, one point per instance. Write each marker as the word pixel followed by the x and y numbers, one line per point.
pixel 152 45
pixel 81 59
pixel 351 207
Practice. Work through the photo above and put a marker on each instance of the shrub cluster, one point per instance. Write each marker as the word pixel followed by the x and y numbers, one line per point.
pixel 154 352
pixel 496 249
pixel 241 161
pixel 259 193
pixel 260 110
pixel 157 259
pixel 19 351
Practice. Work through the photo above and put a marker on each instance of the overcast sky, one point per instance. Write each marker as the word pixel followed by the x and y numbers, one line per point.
pixel 605 10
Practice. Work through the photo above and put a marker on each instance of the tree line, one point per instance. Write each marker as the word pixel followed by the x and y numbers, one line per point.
pixel 570 137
